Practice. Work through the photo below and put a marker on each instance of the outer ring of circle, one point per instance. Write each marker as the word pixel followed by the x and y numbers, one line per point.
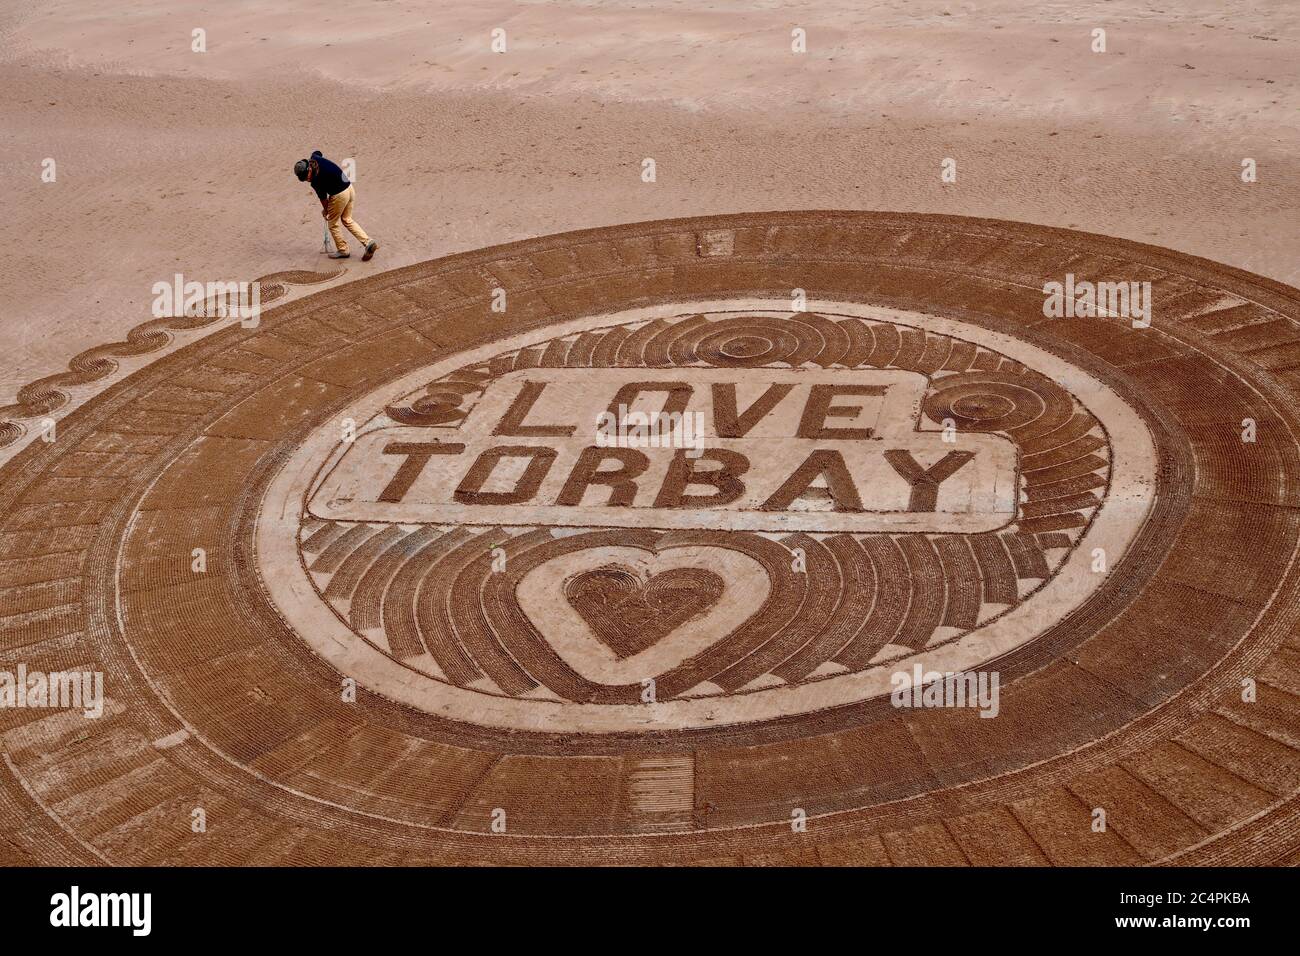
pixel 1163 714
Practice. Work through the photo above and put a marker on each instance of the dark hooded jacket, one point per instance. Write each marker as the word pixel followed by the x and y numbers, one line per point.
pixel 329 179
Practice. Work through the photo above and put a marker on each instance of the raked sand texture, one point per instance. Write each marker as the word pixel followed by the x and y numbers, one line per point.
pixel 367 584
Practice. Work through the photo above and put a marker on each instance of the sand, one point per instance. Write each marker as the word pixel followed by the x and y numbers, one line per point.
pixel 544 681
pixel 174 161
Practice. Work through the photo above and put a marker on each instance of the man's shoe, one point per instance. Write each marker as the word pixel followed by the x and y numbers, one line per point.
pixel 371 246
pixel 340 255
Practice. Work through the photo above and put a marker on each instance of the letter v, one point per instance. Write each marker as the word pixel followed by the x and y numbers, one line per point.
pixel 730 425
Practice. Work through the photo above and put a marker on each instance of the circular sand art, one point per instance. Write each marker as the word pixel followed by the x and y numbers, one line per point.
pixel 493 539
pixel 812 537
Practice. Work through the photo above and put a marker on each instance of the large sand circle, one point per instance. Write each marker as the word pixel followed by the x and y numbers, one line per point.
pixel 416 609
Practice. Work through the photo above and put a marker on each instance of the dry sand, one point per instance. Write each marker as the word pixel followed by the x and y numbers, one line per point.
pixel 175 161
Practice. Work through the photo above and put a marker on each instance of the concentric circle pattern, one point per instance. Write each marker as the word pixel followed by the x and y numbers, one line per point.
pixel 371 584
pixel 815 588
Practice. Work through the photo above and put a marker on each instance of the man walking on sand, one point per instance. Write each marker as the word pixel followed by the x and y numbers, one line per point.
pixel 336 197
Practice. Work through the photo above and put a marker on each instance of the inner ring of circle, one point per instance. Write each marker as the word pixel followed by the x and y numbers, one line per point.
pixel 993 406
pixel 746 346
pixel 285 579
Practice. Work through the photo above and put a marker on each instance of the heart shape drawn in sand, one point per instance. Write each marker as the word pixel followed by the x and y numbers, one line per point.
pixel 629 612
pixel 698 594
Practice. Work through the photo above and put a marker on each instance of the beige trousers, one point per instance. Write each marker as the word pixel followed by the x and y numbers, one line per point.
pixel 339 211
